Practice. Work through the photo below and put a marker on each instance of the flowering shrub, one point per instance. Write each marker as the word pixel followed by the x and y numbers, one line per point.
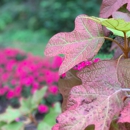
pixel 24 117
pixel 22 74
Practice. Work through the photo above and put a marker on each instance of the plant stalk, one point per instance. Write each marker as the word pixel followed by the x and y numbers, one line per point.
pixel 126 46
pixel 122 48
pixel 32 118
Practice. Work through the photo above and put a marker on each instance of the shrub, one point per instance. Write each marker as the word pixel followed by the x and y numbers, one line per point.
pixel 21 74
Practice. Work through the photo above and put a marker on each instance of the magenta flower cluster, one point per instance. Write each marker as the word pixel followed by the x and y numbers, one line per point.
pixel 19 70
pixel 82 65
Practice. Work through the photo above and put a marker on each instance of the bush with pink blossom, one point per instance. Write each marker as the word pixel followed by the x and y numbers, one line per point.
pixel 21 74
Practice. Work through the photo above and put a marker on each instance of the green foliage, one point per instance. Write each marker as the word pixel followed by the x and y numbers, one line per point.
pixel 27 108
pixel 41 13
pixel 9 115
pixel 48 122
pixel 117 26
pixel 13 126
pixel 30 104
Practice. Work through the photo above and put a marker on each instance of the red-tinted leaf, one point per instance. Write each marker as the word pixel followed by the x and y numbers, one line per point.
pixel 108 7
pixel 121 15
pixel 96 101
pixel 125 114
pixel 98 111
pixel 123 73
pixel 79 45
pixel 66 84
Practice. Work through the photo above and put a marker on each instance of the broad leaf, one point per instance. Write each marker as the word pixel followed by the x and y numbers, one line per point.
pixel 117 26
pixel 121 15
pixel 125 114
pixel 79 45
pixel 13 126
pixel 96 101
pixel 25 106
pixel 124 73
pixel 66 84
pixel 10 115
pixel 37 97
pixel 110 6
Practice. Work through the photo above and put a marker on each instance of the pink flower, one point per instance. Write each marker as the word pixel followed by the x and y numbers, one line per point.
pixel 2 91
pixel 18 91
pixel 53 89
pixel 43 108
pixel 96 60
pixel 63 75
pixel 33 90
pixel 17 119
pixel 57 62
pixel 10 94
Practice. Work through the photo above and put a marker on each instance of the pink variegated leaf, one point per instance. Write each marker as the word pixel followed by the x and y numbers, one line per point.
pixel 100 77
pixel 55 127
pixel 97 101
pixel 98 111
pixel 79 45
pixel 123 72
pixel 121 15
pixel 108 7
pixel 125 114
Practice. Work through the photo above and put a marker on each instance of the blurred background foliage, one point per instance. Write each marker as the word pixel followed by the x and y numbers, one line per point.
pixel 52 15
pixel 29 24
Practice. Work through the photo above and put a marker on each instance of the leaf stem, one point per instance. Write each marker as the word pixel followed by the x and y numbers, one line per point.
pixel 108 38
pixel 32 118
pixel 126 47
pixel 125 41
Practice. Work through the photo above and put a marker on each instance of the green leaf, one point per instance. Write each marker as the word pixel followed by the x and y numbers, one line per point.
pixel 31 103
pixel 2 124
pixel 25 107
pixel 37 97
pixel 43 125
pixel 10 115
pixel 117 26
pixel 50 118
pixel 13 126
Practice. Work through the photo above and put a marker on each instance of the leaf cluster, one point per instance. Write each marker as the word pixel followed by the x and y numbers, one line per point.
pixel 11 118
pixel 98 94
